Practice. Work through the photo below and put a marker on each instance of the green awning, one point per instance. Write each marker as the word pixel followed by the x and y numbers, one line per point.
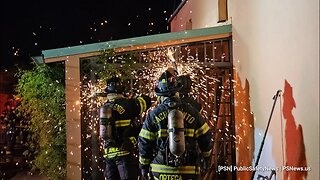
pixel 95 47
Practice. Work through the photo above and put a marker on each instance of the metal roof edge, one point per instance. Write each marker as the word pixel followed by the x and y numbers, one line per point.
pixel 95 47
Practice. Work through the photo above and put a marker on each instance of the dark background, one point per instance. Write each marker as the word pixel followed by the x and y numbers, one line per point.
pixel 28 27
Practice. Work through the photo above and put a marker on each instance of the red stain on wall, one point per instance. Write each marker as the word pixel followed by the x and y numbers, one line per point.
pixel 295 149
pixel 244 123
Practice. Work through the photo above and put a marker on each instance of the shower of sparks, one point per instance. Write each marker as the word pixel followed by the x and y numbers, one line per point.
pixel 144 78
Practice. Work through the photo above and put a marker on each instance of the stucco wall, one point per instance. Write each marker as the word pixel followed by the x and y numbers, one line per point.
pixel 276 46
pixel 203 13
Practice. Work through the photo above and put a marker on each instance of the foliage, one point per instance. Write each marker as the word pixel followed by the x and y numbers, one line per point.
pixel 42 91
pixel 116 64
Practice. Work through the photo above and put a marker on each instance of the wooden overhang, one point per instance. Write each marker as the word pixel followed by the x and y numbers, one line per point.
pixel 139 43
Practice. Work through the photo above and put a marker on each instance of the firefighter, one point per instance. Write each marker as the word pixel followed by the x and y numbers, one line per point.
pixel 184 93
pixel 185 83
pixel 169 134
pixel 118 131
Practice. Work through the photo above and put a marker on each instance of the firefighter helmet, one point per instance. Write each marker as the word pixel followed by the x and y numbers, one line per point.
pixel 185 82
pixel 167 85
pixel 114 85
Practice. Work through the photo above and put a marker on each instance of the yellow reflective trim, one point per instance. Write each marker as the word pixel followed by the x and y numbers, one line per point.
pixel 159 168
pixel 122 123
pixel 143 104
pixel 111 150
pixel 144 161
pixel 133 140
pixel 155 178
pixel 207 153
pixel 147 134
pixel 202 130
pixel 116 154
pixel 114 151
pixel 163 133
pixel 189 132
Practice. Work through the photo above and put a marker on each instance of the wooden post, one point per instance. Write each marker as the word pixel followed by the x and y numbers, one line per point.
pixel 73 124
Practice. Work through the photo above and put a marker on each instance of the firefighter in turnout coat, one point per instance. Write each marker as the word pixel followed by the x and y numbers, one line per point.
pixel 169 135
pixel 184 93
pixel 118 131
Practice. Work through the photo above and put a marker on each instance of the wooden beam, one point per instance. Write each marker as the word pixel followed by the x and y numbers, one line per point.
pixel 73 124
pixel 171 43
pixel 78 56
pixel 144 46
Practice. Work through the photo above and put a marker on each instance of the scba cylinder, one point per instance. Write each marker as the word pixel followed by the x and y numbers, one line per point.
pixel 176 132
pixel 105 116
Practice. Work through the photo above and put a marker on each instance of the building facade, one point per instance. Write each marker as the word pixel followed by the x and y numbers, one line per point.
pixel 275 47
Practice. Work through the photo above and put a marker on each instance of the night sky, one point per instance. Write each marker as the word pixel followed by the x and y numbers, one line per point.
pixel 28 27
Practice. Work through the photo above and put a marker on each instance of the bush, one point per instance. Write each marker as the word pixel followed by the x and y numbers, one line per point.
pixel 42 91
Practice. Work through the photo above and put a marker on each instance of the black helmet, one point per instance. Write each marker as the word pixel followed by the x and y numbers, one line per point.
pixel 114 85
pixel 185 82
pixel 167 85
